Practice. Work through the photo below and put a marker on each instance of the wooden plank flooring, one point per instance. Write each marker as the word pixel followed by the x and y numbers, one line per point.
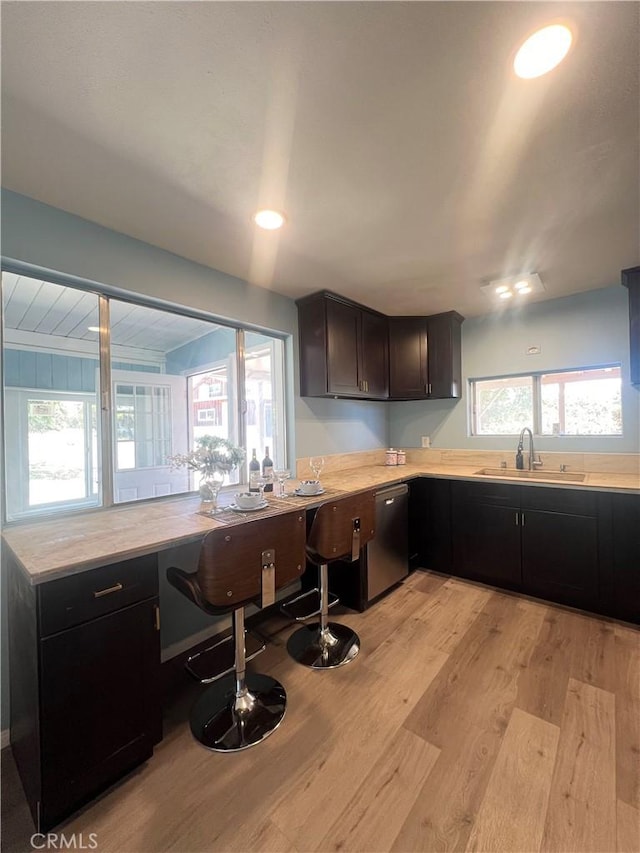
pixel 472 720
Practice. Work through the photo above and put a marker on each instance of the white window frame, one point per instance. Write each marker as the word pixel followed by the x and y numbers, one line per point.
pixel 106 408
pixel 536 415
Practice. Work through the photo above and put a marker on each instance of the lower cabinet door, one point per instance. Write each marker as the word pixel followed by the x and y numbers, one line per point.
pixel 100 705
pixel 560 557
pixel 626 556
pixel 486 543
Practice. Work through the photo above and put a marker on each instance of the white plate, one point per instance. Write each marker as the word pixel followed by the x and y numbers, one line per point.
pixel 248 509
pixel 308 494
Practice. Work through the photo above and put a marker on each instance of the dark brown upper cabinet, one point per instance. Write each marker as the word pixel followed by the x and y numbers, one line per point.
pixel 425 360
pixel 631 280
pixel 344 348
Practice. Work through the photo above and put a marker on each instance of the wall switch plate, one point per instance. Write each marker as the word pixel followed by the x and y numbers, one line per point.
pixel 426 441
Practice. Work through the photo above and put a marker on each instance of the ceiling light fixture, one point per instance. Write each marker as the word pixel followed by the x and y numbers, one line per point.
pixel 542 51
pixel 520 285
pixel 93 328
pixel 270 220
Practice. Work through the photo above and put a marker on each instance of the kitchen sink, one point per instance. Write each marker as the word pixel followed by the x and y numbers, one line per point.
pixel 514 473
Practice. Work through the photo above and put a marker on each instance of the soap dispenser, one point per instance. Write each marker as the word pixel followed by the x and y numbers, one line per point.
pixel 519 457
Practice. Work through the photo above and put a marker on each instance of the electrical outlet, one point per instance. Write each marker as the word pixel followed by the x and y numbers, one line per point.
pixel 426 441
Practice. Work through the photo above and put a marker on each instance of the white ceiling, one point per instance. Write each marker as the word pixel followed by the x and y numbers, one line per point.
pixel 412 165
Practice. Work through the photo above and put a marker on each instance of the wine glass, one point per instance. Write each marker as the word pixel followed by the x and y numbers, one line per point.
pixel 316 463
pixel 282 475
pixel 260 481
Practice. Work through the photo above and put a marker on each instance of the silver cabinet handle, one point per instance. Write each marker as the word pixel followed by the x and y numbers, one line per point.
pixel 108 591
pixel 517 520
pixel 522 519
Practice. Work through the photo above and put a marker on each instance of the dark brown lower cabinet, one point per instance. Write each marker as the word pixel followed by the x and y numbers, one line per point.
pixel 85 700
pixel 571 546
pixel 430 524
pixel 486 532
pixel 560 557
pixel 625 562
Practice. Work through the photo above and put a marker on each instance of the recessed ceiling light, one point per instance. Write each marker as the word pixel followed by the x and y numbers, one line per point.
pixel 270 220
pixel 93 328
pixel 542 51
pixel 506 295
pixel 502 289
pixel 525 289
pixel 522 285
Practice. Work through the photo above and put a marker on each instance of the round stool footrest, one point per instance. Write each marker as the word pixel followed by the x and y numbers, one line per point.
pixel 311 648
pixel 218 726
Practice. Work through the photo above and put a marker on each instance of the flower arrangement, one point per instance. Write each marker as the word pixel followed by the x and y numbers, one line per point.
pixel 211 455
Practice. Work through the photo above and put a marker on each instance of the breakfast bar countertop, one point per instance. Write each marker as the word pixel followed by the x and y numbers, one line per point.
pixel 47 549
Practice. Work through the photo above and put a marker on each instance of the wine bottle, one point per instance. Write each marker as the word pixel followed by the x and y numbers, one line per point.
pixel 267 470
pixel 254 470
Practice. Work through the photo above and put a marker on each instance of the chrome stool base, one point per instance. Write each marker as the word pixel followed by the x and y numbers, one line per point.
pixel 224 722
pixel 334 646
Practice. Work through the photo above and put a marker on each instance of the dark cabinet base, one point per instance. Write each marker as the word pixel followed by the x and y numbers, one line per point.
pixel 574 547
pixel 85 700
pixel 560 558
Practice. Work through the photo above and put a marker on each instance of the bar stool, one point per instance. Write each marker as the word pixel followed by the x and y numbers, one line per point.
pixel 241 565
pixel 338 532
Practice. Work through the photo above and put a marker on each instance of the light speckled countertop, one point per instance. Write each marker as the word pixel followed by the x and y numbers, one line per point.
pixel 49 549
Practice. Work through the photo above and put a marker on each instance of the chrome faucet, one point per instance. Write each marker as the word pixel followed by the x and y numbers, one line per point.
pixel 533 462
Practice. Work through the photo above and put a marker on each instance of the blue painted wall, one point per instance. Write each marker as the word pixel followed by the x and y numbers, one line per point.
pixel 53 372
pixel 584 330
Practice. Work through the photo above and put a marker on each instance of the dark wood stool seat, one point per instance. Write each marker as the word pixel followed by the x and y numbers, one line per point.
pixel 338 531
pixel 240 565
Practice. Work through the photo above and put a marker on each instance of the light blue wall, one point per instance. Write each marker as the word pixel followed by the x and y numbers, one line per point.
pixel 46 237
pixel 42 236
pixel 576 331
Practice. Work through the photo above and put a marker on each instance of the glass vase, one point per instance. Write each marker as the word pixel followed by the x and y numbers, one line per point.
pixel 209 488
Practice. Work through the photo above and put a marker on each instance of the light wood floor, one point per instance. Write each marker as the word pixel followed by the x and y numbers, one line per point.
pixel 471 720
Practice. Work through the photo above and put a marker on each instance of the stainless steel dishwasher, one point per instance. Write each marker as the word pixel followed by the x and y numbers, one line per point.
pixel 384 561
pixel 387 558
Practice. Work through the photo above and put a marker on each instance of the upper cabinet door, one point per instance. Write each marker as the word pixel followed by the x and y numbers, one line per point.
pixel 425 357
pixel 343 330
pixel 374 354
pixel 408 357
pixel 444 336
pixel 344 349
pixel 631 279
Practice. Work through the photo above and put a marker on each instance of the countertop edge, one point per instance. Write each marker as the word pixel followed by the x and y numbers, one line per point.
pixel 371 478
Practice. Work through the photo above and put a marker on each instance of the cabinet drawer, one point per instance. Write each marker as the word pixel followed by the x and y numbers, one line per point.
pixel 560 500
pixel 501 494
pixel 96 592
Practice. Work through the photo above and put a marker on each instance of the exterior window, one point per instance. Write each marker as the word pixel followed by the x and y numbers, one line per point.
pixel 264 391
pixel 143 425
pixel 568 402
pixel 503 406
pixel 581 402
pixel 50 369
pixel 174 378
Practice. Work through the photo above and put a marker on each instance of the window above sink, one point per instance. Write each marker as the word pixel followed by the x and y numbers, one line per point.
pixel 577 402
